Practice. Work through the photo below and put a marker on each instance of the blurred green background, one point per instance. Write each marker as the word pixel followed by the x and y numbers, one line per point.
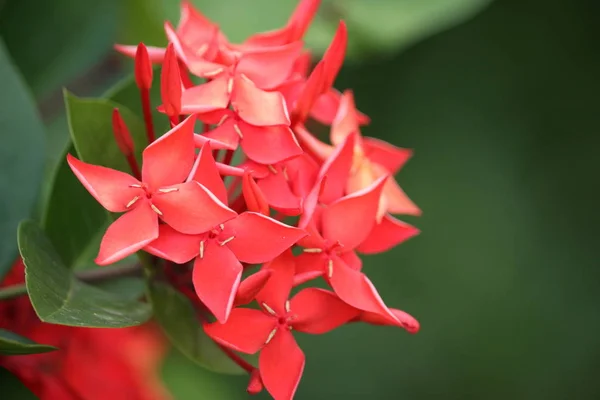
pixel 500 102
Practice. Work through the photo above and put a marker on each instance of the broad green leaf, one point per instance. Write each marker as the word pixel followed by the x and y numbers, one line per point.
pixel 13 344
pixel 59 297
pixel 54 41
pixel 90 126
pixel 72 218
pixel 129 287
pixel 177 317
pixel 21 157
pixel 373 26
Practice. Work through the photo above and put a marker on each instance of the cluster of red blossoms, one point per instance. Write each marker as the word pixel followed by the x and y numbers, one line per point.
pixel 128 371
pixel 255 100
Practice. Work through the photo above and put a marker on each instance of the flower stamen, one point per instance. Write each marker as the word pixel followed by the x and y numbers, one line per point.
pixel 237 130
pixel 269 309
pixel 168 190
pixel 132 202
pixel 224 242
pixel 156 210
pixel 202 249
pixel 270 337
pixel 330 268
pixel 313 250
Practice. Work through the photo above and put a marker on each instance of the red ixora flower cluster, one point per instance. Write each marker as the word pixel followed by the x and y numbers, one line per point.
pixel 256 97
pixel 87 365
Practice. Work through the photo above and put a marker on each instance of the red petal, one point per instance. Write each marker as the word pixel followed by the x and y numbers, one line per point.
pixel 281 140
pixel 192 208
pixel 352 260
pixel 170 83
pixel 255 199
pixel 260 239
pixel 281 364
pixel 268 68
pixel 174 246
pixel 197 30
pixel 111 188
pixel 397 201
pixel 302 17
pixel 319 311
pixel 224 133
pixel 334 55
pixel 313 146
pixel 309 94
pixel 156 54
pixel 216 278
pixel 390 157
pixel 350 219
pixel 303 171
pixel 388 233
pixel 169 159
pixel 402 319
pixel 246 330
pixel 257 107
pixel 309 266
pixel 337 169
pixel 278 194
pixel 128 234
pixel 356 289
pixel 326 107
pixel 345 121
pixel 206 173
pixel 251 286
pixel 206 97
pixel 277 289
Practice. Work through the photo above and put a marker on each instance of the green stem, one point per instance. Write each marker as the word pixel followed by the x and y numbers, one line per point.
pixel 91 275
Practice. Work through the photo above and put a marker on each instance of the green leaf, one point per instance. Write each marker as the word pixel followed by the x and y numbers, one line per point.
pixel 21 157
pixel 72 218
pixel 128 287
pixel 59 298
pixel 177 317
pixel 13 344
pixel 90 126
pixel 51 53
pixel 373 26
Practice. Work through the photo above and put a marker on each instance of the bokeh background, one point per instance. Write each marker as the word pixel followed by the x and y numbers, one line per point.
pixel 499 99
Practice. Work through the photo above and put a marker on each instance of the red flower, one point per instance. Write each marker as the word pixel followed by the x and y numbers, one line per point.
pixel 372 159
pixel 219 250
pixel 268 330
pixel 159 194
pixel 123 372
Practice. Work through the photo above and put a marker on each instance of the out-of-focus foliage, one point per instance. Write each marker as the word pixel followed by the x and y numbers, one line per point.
pixel 55 41
pixel 374 26
pixel 21 156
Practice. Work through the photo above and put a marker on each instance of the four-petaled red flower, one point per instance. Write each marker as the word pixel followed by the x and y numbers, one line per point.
pixel 268 330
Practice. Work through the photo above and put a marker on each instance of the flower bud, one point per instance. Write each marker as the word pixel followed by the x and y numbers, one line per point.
pixel 170 83
pixel 143 68
pixel 121 132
